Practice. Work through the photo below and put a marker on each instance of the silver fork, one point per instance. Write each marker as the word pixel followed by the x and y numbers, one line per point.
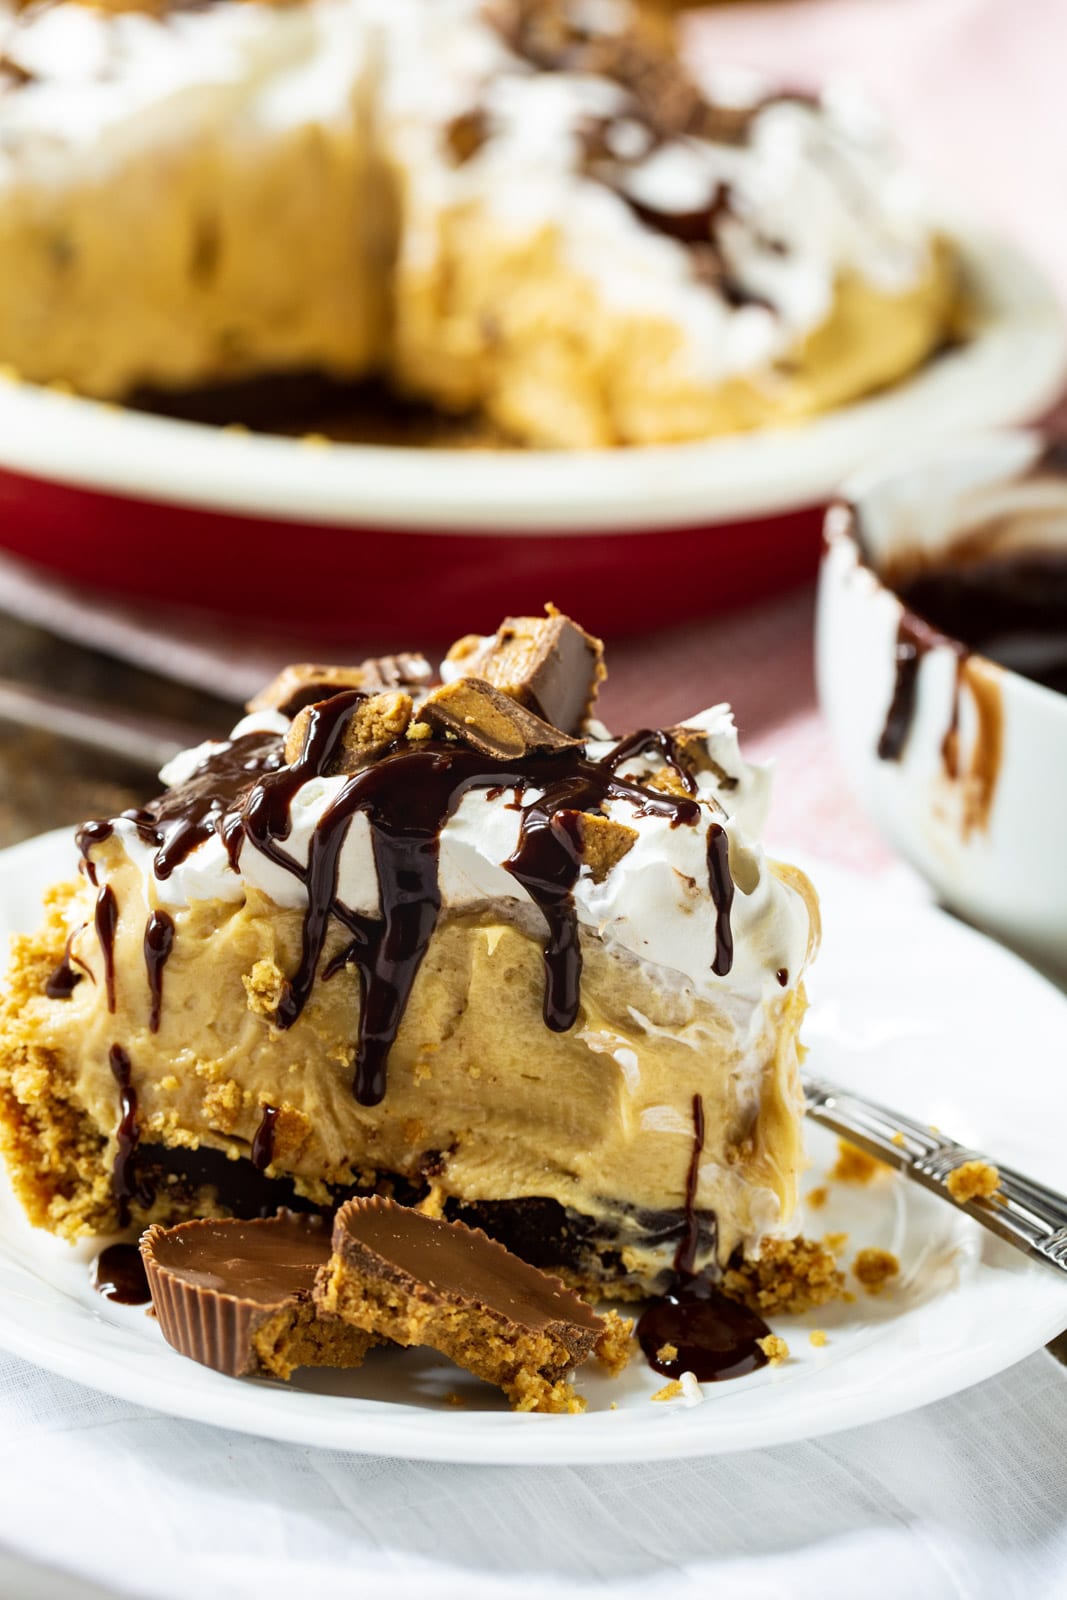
pixel 1026 1213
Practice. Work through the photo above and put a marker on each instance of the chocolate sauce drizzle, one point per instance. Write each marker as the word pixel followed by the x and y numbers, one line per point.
pixel 119 1275
pixel 263 1143
pixel 722 895
pixel 88 835
pixel 713 1337
pixel 106 919
pixel 661 739
pixel 915 639
pixel 206 804
pixel 246 792
pixel 124 1182
pixel 158 943
pixel 64 980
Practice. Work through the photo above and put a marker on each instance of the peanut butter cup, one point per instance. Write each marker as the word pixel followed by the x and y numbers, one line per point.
pixel 398 1274
pixel 236 1295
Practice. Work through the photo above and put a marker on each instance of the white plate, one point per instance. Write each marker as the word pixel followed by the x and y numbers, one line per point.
pixel 906 1004
pixel 1011 369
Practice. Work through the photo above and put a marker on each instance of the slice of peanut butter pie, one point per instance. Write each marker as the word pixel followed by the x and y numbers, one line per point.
pixel 438 940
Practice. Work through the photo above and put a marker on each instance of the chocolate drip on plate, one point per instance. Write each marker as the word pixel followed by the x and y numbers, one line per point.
pixel 106 919
pixel 119 1275
pixel 158 943
pixel 713 1337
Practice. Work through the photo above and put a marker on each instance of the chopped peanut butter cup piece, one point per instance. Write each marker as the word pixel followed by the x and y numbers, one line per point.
pixel 409 669
pixel 418 1280
pixel 372 726
pixel 305 683
pixel 549 663
pixel 490 721
pixel 236 1295
pixel 604 843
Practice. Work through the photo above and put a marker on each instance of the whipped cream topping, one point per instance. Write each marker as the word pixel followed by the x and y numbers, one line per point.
pixel 98 87
pixel 655 904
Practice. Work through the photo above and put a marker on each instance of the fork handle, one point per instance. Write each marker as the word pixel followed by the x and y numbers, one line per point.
pixel 1026 1213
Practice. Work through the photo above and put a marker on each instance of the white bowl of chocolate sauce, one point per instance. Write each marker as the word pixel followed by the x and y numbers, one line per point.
pixel 942 667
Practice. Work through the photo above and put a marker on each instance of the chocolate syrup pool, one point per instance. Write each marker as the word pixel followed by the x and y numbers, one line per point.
pixel 119 1275
pixel 714 1337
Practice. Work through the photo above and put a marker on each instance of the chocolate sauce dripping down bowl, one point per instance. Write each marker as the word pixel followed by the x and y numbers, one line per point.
pixel 941 647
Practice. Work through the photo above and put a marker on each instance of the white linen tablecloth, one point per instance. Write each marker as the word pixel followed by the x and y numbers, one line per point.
pixel 964 1500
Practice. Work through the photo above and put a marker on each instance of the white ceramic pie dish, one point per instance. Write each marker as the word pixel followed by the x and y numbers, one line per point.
pixel 1008 871
pixel 151 507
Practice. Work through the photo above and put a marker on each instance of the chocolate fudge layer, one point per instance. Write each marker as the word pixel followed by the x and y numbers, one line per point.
pixel 236 1296
pixel 418 1280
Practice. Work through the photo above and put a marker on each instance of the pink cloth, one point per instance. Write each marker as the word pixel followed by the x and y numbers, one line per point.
pixel 973 90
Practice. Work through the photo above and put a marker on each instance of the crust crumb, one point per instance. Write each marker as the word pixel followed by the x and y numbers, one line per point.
pixel 817 1337
pixel 874 1268
pixel 974 1180
pixel 264 986
pixel 789 1275
pixel 775 1349
pixel 615 1345
pixel 667 1352
pixel 854 1165
pixel 670 1391
pixel 818 1198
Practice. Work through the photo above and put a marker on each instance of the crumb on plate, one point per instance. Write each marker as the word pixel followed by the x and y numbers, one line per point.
pixel 854 1165
pixel 874 1268
pixel 774 1348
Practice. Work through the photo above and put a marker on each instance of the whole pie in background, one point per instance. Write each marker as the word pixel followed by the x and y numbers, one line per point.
pixel 521 210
